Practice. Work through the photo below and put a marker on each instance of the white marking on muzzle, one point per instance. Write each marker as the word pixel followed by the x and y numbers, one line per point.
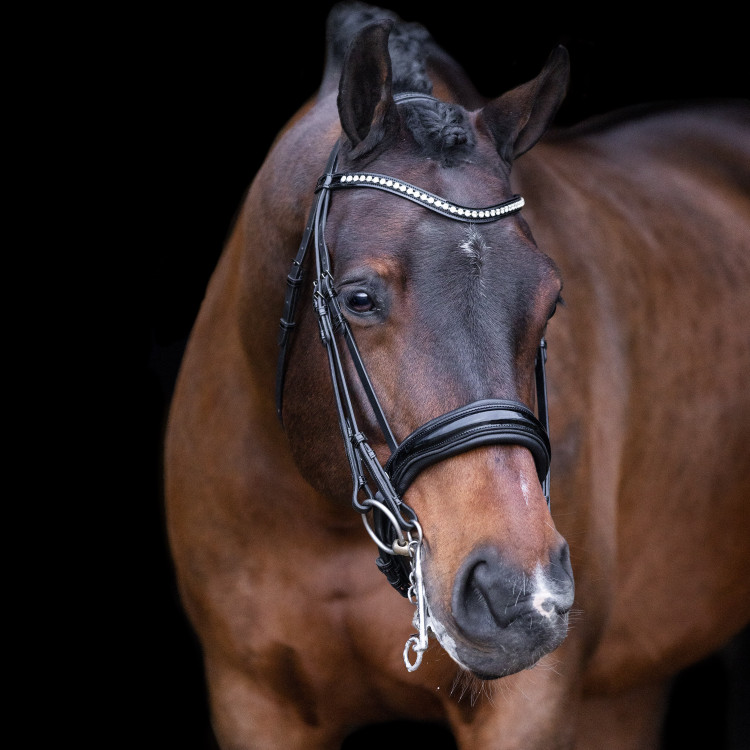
pixel 443 637
pixel 543 600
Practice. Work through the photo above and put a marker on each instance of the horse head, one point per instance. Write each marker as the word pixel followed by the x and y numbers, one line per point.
pixel 447 309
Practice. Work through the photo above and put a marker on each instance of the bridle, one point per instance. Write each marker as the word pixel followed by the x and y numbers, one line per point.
pixel 377 488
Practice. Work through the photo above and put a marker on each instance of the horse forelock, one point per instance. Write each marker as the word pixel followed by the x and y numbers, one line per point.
pixel 442 131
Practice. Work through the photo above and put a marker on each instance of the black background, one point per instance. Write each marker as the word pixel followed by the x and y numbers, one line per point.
pixel 205 92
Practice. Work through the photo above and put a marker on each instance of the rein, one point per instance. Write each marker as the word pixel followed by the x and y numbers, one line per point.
pixel 395 528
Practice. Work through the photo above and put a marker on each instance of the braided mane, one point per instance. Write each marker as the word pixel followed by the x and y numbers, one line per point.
pixel 441 129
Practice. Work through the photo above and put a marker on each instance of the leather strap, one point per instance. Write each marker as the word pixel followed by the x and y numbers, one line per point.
pixel 486 422
pixel 294 282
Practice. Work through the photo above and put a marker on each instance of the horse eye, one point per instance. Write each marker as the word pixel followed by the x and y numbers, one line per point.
pixel 558 302
pixel 360 302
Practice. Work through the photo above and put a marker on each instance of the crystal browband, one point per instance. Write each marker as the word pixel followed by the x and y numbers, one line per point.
pixel 422 197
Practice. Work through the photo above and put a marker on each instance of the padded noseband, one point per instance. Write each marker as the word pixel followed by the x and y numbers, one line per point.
pixel 487 422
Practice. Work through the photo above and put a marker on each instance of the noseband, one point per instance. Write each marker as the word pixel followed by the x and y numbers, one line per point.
pixel 394 527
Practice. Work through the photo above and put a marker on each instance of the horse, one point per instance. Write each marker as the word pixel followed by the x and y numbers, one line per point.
pixel 407 474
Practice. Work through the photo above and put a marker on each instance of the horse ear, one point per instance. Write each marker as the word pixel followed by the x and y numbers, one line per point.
pixel 520 117
pixel 365 100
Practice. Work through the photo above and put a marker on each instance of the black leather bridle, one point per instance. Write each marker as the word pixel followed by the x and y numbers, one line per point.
pixel 485 422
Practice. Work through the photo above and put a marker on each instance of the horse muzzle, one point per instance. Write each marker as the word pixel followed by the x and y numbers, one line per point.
pixel 495 619
pixel 502 620
pixel 480 423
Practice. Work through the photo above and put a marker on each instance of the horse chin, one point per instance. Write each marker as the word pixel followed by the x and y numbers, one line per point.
pixel 510 652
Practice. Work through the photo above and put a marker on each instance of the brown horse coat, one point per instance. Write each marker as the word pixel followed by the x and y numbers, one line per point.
pixel 646 217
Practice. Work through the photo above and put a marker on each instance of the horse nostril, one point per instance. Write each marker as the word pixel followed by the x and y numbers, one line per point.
pixel 491 593
pixel 485 595
pixel 561 571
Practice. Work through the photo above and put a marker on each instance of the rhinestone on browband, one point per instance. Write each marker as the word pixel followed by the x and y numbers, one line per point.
pixel 422 197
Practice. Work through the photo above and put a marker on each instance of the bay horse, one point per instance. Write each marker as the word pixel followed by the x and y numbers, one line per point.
pixel 386 459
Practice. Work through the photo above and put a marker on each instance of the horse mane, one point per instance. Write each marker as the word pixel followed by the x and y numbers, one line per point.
pixel 651 112
pixel 441 129
pixel 407 44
